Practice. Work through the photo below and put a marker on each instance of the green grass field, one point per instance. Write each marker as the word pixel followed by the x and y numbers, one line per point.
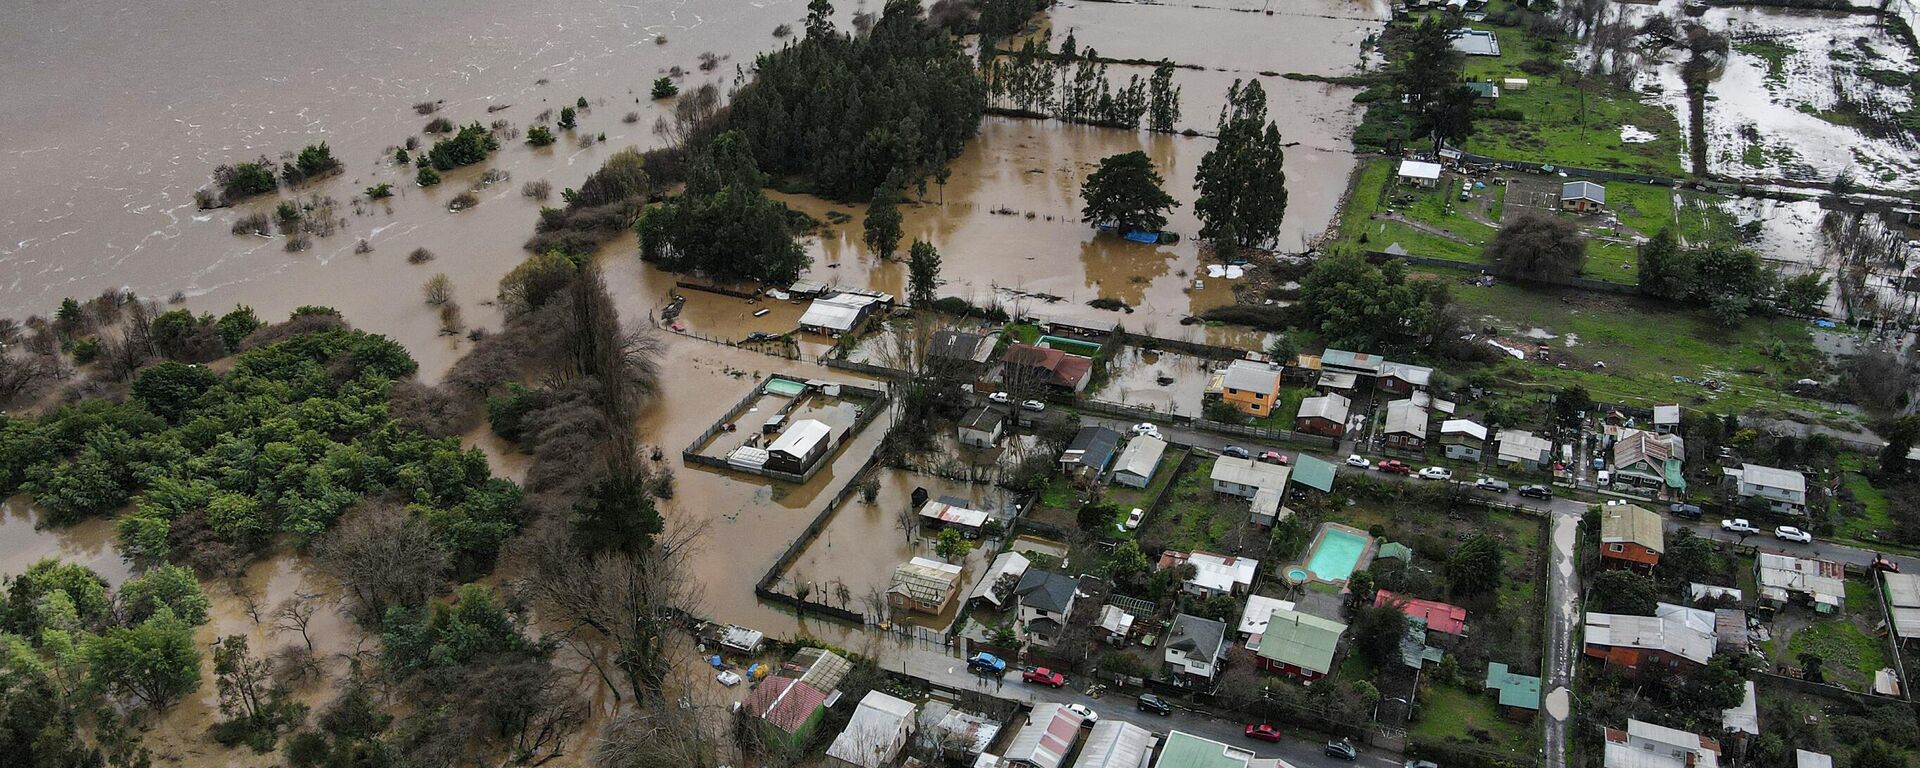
pixel 1448 712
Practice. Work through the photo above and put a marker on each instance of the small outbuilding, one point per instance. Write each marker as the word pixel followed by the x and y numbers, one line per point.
pixel 1582 197
pixel 1420 173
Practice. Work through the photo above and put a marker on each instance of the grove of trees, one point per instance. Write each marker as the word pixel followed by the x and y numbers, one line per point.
pixel 723 225
pixel 1728 280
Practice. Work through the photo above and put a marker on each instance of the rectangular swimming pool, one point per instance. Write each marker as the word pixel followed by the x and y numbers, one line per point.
pixel 1069 346
pixel 1336 553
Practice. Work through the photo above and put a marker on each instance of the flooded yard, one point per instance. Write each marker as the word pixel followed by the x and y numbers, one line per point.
pixel 1169 382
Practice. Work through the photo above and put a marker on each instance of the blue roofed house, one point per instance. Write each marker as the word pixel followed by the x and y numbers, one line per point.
pixel 1088 455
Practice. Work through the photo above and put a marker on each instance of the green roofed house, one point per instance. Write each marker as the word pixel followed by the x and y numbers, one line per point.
pixel 1299 645
pixel 1185 750
pixel 1313 473
pixel 1519 694
pixel 1394 550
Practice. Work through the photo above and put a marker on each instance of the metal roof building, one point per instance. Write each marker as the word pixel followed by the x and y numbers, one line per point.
pixel 1903 603
pixel 1116 744
pixel 1046 738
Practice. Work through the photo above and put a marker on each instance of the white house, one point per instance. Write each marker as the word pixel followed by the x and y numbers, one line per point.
pixel 1645 745
pixel 1045 599
pixel 1784 490
pixel 1420 173
pixel 1520 449
pixel 875 735
pixel 1138 460
pixel 1194 648
pixel 1213 574
pixel 1462 439
pixel 1245 477
pixel 982 427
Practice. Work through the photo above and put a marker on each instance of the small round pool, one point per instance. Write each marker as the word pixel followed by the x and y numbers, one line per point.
pixel 1296 574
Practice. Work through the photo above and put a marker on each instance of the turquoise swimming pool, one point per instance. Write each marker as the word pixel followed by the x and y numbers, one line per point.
pixel 1337 552
pixel 1069 346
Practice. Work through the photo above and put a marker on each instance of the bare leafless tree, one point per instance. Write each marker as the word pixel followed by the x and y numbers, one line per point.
pixel 382 556
pixel 295 614
pixel 662 734
pixel 23 374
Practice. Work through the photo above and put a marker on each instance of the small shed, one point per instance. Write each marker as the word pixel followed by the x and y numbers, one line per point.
pixel 1582 197
pixel 1420 173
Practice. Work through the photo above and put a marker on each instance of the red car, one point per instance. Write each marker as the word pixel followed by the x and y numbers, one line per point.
pixel 1263 732
pixel 1394 467
pixel 1273 457
pixel 1044 676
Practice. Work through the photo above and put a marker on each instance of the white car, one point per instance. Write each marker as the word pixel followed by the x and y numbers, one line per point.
pixel 1356 460
pixel 1738 525
pixel 728 678
pixel 1087 716
pixel 1134 518
pixel 1790 533
pixel 1144 429
pixel 999 397
pixel 1033 405
pixel 1436 473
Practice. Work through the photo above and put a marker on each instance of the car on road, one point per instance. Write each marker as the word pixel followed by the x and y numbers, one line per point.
pixel 1491 485
pixel 986 662
pixel 1357 460
pixel 1143 429
pixel 1263 732
pixel 1087 716
pixel 1739 525
pixel 1273 457
pixel 1236 452
pixel 1394 467
pixel 1033 405
pixel 1044 676
pixel 1688 511
pixel 999 397
pixel 1419 764
pixel 1536 492
pixel 1153 703
pixel 1343 749
pixel 1436 473
pixel 1790 533
pixel 1134 518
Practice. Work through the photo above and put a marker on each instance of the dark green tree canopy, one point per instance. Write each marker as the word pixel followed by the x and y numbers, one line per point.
pixel 1125 192
pixel 1243 188
pixel 724 225
pixel 1538 248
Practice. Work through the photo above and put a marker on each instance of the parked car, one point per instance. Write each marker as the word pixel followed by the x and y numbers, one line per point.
pixel 1536 491
pixel 1687 511
pixel 1394 467
pixel 1738 525
pixel 1134 518
pixel 1790 533
pixel 728 678
pixel 1343 749
pixel 1087 716
pixel 1273 457
pixel 1263 732
pixel 1357 460
pixel 1604 478
pixel 1491 485
pixel 987 662
pixel 999 397
pixel 1153 703
pixel 1419 764
pixel 1033 405
pixel 1436 473
pixel 1236 452
pixel 1143 429
pixel 1044 676
pixel 1881 563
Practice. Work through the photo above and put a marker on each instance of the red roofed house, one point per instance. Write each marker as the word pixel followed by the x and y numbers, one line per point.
pixel 1050 366
pixel 1445 623
pixel 792 707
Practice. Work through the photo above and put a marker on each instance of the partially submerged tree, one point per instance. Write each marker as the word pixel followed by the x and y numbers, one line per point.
pixel 1125 192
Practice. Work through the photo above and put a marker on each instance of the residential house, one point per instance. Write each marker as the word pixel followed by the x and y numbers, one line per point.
pixel 1298 645
pixel 840 313
pixel 953 512
pixel 1265 509
pixel 1088 454
pixel 1045 739
pixel 1045 599
pixel 1045 365
pixel 923 585
pixel 1245 477
pixel 1902 591
pixel 982 426
pixel 971 732
pixel 1194 649
pixel 1324 415
pixel 1730 630
pixel 1420 173
pixel 1666 419
pixel 1783 490
pixel 1361 364
pixel 877 733
pixel 1405 428
pixel 1251 386
pixel 1403 379
pixel 997 588
pixel 1336 382
pixel 1631 537
pixel 1583 197
pixel 1678 638
pixel 1138 461
pixel 1518 695
pixel 1649 460
pixel 1520 449
pixel 1116 744
pixel 1804 758
pixel 797 449
pixel 1254 618
pixel 1462 439
pixel 1185 750
pixel 1213 574
pixel 1115 624
pixel 793 700
pixel 1783 579
pixel 961 352
pixel 1445 623
pixel 1303 369
pixel 1743 720
pixel 1645 745
pixel 1310 472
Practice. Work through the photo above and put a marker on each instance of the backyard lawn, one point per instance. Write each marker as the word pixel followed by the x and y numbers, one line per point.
pixel 1195 517
pixel 1125 499
pixel 1448 712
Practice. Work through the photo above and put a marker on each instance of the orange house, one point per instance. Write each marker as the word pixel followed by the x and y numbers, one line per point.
pixel 1252 386
pixel 1631 537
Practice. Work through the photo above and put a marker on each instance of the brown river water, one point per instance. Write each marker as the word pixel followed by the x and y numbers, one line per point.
pixel 119 111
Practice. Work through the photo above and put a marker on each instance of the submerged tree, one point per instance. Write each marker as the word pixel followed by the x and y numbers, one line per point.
pixel 1243 189
pixel 723 225
pixel 1163 100
pixel 882 227
pixel 923 273
pixel 1125 192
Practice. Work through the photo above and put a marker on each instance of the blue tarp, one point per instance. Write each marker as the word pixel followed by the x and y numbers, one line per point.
pixel 1140 236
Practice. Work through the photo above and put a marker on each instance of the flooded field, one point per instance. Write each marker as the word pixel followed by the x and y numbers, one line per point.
pixel 1169 382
